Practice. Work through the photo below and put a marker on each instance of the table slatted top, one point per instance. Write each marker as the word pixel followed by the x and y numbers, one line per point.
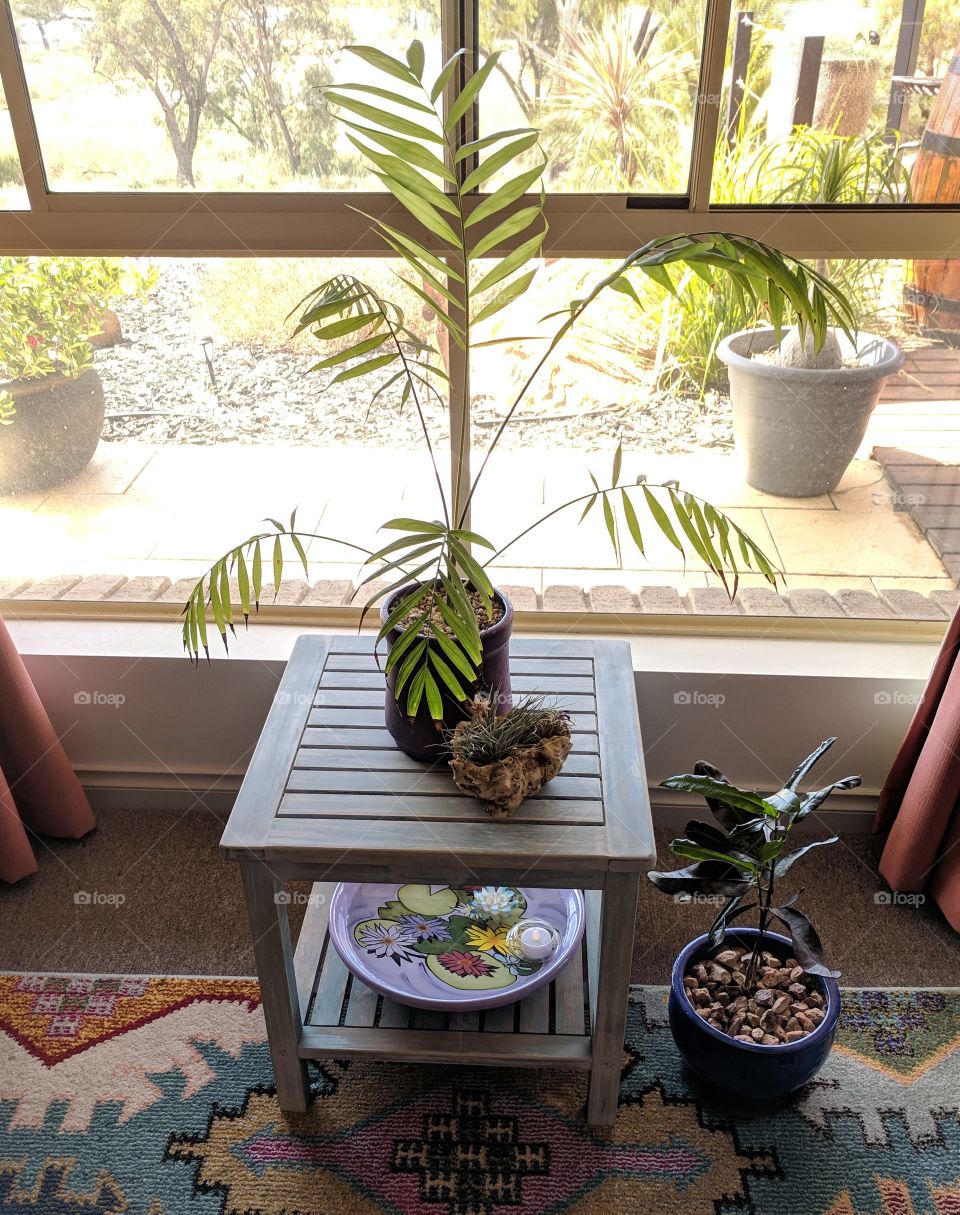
pixel 326 775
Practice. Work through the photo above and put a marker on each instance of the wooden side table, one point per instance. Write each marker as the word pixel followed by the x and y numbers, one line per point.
pixel 329 798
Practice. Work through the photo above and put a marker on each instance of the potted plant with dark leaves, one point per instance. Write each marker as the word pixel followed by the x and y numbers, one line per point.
pixel 753 1011
pixel 51 398
pixel 467 257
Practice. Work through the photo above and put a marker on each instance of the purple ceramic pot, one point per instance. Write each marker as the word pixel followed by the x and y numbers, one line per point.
pixel 421 739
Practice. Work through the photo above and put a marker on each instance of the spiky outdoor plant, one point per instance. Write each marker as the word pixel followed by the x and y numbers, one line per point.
pixel 746 855
pixel 488 738
pixel 421 157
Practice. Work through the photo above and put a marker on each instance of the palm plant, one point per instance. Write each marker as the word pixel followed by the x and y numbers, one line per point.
pixel 459 271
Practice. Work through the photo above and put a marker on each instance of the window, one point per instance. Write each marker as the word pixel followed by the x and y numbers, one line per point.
pixel 209 223
pixel 834 104
pixel 12 194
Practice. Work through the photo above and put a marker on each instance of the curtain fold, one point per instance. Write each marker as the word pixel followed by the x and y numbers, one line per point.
pixel 920 800
pixel 39 791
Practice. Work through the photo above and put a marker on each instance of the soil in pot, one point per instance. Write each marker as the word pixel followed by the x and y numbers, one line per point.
pixel 424 739
pixel 782 1004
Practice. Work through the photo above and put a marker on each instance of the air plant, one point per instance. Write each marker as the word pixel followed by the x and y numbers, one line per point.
pixel 488 738
pixel 747 855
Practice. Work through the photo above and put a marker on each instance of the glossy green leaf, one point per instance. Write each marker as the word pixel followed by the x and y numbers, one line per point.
pixel 388 95
pixel 416 58
pixel 469 92
pixel 383 62
pixel 392 122
pixel 508 193
pixel 510 293
pixel 351 373
pixel 496 160
pixel 512 261
pixel 446 72
pixel 661 518
pixel 518 222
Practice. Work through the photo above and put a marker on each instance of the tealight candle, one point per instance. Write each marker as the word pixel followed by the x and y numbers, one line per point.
pixel 536 943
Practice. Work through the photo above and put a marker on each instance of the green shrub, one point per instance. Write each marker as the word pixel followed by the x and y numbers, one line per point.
pixel 50 307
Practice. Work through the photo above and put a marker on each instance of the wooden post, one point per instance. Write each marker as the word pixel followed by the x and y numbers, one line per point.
pixel 905 60
pixel 743 34
pixel 618 914
pixel 278 988
pixel 808 77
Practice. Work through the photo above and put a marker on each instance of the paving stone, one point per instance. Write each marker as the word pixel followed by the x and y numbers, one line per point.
pixel 178 591
pixel 948 600
pixel 660 600
pixel 143 589
pixel 523 598
pixel 49 588
pixel 609 598
pixel 811 601
pixel 12 586
pixel 95 587
pixel 332 592
pixel 863 605
pixel 944 540
pixel 763 601
pixel 712 601
pixel 564 598
pixel 912 605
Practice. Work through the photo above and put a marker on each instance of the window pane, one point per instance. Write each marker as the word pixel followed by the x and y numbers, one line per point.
pixel 612 86
pixel 223 96
pixel 213 421
pixel 821 113
pixel 13 197
pixel 890 522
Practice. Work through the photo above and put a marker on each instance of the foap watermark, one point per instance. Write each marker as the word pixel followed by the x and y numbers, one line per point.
pixel 701 900
pixel 296 698
pixel 899 898
pixel 899 499
pixel 99 898
pixel 890 696
pixel 299 898
pixel 113 699
pixel 712 700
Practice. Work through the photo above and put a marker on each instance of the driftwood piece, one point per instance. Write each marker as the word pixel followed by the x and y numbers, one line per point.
pixel 502 786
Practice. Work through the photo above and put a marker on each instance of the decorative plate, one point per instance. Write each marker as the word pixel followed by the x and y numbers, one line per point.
pixel 444 947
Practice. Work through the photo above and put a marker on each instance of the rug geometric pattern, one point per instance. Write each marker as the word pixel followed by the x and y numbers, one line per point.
pixel 155 1095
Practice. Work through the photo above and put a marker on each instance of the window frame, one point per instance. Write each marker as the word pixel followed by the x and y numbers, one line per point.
pixel 324 224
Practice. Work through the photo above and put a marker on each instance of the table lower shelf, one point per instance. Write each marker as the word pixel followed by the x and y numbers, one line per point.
pixel 344 1018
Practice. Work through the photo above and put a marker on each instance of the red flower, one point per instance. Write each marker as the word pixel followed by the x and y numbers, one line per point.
pixel 33 341
pixel 458 962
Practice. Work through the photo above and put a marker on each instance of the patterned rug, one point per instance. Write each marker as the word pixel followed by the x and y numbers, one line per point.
pixel 155 1095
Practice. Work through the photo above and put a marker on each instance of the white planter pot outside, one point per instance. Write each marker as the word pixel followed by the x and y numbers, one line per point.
pixel 798 428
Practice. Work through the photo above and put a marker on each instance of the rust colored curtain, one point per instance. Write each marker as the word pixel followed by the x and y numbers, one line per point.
pixel 920 801
pixel 39 791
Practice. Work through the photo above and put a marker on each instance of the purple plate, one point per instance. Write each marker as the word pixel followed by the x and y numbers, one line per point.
pixel 444 947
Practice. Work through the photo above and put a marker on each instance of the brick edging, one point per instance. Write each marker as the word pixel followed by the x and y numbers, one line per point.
pixel 809 602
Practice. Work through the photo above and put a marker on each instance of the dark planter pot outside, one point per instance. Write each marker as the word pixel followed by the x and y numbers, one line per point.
pixel 798 428
pixel 54 433
pixel 421 739
pixel 736 1070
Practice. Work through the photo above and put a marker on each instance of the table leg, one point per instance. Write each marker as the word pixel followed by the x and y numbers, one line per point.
pixel 617 918
pixel 278 989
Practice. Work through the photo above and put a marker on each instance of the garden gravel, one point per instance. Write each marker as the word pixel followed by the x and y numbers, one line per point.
pixel 170 382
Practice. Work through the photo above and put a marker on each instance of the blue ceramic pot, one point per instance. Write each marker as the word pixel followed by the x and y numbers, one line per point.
pixel 739 1071
pixel 421 739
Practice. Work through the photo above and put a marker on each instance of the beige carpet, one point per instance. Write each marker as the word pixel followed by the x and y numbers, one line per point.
pixel 182 909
